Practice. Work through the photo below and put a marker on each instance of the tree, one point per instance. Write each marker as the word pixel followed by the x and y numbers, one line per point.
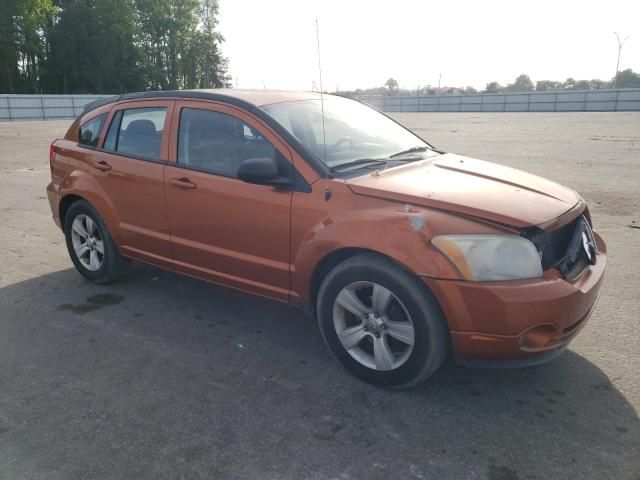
pixel 493 87
pixel 181 43
pixel 94 48
pixel 23 43
pixel 470 90
pixel 109 46
pixel 9 74
pixel 583 85
pixel 627 79
pixel 523 83
pixel 392 85
pixel 546 85
pixel 600 84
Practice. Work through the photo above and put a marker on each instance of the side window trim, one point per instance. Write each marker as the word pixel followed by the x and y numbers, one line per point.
pixel 116 120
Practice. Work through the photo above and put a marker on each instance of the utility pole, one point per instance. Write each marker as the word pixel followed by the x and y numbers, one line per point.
pixel 620 45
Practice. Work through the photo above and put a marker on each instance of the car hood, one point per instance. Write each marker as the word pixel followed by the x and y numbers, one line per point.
pixel 471 187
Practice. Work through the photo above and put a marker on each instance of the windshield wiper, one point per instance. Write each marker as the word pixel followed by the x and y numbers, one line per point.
pixel 360 161
pixel 409 150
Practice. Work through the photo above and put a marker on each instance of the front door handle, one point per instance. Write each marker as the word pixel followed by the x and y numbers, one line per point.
pixel 182 182
pixel 102 165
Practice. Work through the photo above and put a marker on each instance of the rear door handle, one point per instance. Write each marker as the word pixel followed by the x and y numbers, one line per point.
pixel 102 165
pixel 182 182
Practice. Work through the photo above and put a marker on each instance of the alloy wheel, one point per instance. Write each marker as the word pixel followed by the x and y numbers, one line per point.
pixel 373 325
pixel 87 242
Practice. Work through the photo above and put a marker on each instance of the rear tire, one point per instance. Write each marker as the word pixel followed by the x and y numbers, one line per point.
pixel 381 322
pixel 90 245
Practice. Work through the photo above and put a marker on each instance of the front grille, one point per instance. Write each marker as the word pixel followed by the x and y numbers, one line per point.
pixel 563 248
pixel 552 246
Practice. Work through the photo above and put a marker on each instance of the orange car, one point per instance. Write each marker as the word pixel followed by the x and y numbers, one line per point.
pixel 404 253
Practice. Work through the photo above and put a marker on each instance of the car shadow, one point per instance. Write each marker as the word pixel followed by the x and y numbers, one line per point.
pixel 159 375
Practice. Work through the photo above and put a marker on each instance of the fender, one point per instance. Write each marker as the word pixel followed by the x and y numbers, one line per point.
pixel 405 238
pixel 82 184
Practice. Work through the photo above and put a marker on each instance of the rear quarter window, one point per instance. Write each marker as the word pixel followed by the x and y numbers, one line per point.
pixel 89 132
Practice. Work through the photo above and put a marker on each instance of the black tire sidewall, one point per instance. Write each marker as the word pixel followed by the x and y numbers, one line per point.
pixel 431 335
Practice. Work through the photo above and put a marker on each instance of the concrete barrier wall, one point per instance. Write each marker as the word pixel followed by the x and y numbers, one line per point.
pixel 50 107
pixel 622 99
pixel 43 107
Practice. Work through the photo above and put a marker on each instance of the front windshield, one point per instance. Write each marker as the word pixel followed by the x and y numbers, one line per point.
pixel 353 130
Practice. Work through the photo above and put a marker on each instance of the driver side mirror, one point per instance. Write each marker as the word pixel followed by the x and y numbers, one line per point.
pixel 262 171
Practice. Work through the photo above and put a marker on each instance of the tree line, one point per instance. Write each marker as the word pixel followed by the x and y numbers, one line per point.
pixel 109 46
pixel 523 83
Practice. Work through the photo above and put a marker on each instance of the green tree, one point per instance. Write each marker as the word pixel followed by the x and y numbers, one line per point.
pixel 9 74
pixel 392 85
pixel 181 43
pixel 599 84
pixel 523 83
pixel 546 85
pixel 583 85
pixel 493 87
pixel 627 79
pixel 93 48
pixel 23 43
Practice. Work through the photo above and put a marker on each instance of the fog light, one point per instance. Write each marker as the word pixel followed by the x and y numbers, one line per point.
pixel 537 337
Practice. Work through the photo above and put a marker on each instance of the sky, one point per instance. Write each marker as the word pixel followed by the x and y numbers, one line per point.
pixel 272 43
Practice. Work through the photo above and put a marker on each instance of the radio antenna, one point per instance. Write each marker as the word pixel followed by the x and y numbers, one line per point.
pixel 324 133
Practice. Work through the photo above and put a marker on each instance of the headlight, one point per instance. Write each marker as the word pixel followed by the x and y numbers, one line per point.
pixel 483 258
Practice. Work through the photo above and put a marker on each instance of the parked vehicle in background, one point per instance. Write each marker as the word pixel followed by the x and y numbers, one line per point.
pixel 404 253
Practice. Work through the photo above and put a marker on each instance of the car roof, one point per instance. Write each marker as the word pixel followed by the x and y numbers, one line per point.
pixel 255 98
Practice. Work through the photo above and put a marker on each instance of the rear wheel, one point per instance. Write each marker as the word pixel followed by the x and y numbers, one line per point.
pixel 90 245
pixel 381 322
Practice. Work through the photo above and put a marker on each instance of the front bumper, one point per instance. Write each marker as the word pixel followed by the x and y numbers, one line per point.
pixel 520 322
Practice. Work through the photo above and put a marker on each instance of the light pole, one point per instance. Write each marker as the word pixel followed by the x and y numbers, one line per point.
pixel 620 44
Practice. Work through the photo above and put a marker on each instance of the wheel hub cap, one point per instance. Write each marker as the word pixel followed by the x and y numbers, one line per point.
pixel 87 242
pixel 373 325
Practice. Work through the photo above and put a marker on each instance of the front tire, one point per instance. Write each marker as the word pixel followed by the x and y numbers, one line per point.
pixel 381 322
pixel 90 246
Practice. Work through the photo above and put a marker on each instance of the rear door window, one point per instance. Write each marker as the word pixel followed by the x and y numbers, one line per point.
pixel 89 132
pixel 139 132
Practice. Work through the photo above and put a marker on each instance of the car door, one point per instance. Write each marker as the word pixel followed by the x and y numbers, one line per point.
pixel 129 168
pixel 223 229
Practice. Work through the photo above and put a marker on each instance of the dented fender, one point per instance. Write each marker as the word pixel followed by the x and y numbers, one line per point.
pixel 397 230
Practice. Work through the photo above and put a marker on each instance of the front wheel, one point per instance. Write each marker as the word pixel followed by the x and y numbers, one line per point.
pixel 381 322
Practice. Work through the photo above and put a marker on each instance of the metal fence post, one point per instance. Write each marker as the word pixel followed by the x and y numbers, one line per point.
pixel 44 115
